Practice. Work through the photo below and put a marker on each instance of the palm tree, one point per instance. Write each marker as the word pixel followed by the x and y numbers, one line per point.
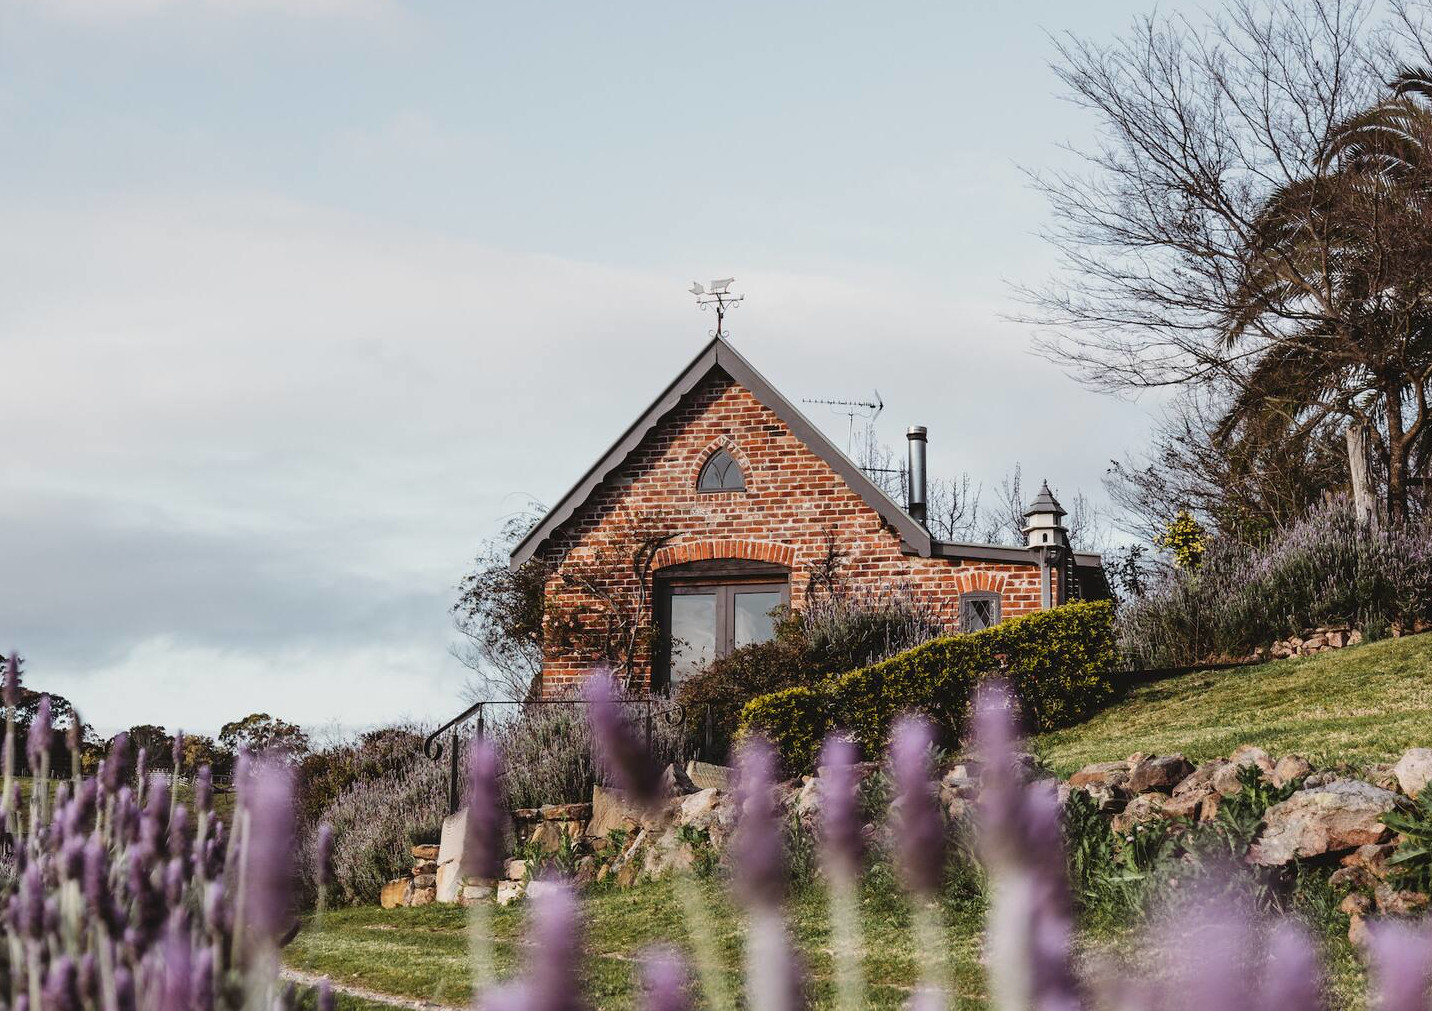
pixel 1334 297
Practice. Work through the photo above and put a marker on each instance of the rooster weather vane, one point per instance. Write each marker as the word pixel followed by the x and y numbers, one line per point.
pixel 717 293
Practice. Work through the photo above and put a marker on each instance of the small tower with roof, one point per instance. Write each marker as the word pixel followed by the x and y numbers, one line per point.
pixel 1047 538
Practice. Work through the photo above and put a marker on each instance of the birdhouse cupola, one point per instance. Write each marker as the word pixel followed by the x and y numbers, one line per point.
pixel 1043 526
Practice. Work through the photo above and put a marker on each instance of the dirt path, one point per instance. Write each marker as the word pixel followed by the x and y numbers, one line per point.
pixel 363 993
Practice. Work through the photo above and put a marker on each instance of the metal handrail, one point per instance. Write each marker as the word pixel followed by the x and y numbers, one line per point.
pixel 673 714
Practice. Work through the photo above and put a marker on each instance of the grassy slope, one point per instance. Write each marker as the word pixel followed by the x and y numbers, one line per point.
pixel 422 953
pixel 1361 704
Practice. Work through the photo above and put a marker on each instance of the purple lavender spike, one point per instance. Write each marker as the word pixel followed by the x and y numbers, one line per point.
pixel 664 978
pixel 96 877
pixel 1292 980
pixel 1031 917
pixel 72 733
pixel 622 755
pixel 203 985
pixel 922 828
pixel 842 843
pixel 62 986
pixel 556 933
pixel 177 752
pixel 179 832
pixel 325 995
pixel 1401 962
pixel 758 845
pixel 508 997
pixel 31 906
pixel 174 881
pixel 141 766
pixel 204 790
pixel 482 850
pixel 41 732
pixel 323 850
pixel 12 681
pixel 117 764
pixel 268 869
pixel 178 988
pixel 89 979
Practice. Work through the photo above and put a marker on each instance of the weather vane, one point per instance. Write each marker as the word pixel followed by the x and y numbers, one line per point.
pixel 718 293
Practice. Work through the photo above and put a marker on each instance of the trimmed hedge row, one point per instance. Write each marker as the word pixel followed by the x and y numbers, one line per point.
pixel 1059 663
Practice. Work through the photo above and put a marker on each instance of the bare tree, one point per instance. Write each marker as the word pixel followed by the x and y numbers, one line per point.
pixel 499 614
pixel 951 508
pixel 1254 221
pixel 1004 523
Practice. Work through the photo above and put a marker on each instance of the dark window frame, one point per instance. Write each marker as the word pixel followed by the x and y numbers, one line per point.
pixel 734 467
pixel 724 577
pixel 967 602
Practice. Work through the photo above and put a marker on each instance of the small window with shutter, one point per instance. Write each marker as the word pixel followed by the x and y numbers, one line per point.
pixel 978 610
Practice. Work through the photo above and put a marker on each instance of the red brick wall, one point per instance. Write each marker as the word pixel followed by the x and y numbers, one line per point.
pixel 792 496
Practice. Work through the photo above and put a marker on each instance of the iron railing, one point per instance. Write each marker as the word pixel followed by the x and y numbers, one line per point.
pixel 673 714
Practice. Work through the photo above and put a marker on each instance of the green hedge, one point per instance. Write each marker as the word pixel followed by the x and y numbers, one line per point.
pixel 1059 662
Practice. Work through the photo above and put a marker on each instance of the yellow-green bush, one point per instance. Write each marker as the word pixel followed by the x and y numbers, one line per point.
pixel 1059 663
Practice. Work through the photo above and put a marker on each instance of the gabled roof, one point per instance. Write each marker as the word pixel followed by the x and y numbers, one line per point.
pixel 719 356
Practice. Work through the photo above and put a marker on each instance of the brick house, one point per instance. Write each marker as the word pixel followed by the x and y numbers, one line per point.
pixel 715 507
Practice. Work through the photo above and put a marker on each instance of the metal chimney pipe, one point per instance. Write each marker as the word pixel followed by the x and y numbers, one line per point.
pixel 915 489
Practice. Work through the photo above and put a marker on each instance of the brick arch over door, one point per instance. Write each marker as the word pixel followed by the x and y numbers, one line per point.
pixel 716 548
pixel 980 579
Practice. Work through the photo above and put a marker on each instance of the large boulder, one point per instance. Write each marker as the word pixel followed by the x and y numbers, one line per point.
pixel 1342 815
pixel 707 776
pixel 1414 770
pixel 1145 807
pixel 1159 772
pixel 1290 769
pixel 397 892
pixel 1102 776
pixel 611 813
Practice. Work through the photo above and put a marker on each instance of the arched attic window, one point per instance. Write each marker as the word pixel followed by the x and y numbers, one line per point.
pixel 721 473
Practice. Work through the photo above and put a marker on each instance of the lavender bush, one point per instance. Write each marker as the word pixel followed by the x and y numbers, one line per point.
pixel 375 823
pixel 1323 569
pixel 548 752
pixel 118 898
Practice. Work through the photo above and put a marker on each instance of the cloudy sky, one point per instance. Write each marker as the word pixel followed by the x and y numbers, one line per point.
pixel 299 298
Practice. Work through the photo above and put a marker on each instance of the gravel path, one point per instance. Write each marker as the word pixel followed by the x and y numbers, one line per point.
pixel 363 993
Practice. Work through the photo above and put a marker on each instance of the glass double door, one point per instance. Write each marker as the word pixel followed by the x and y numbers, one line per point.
pixel 707 620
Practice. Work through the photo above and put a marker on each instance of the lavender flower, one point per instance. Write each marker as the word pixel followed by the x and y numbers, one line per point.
pixel 624 758
pixel 38 743
pixel 12 681
pixel 204 790
pixel 842 843
pixel 202 988
pixel 483 848
pixel 61 986
pixel 268 857
pixel 664 979
pixel 1292 979
pixel 116 766
pixel 177 953
pixel 556 933
pixel 922 828
pixel 1401 963
pixel 1031 915
pixel 758 845
pixel 325 995
pixel 177 753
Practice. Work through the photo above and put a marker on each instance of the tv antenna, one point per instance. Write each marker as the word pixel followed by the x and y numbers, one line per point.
pixel 852 409
pixel 717 293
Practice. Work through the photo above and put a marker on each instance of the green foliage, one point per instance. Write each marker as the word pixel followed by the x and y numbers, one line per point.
pixel 1185 539
pixel 840 629
pixel 1412 863
pixel 703 853
pixel 1326 568
pixel 1059 663
pixel 260 732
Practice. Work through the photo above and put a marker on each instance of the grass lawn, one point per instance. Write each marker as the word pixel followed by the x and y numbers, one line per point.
pixel 422 953
pixel 1366 703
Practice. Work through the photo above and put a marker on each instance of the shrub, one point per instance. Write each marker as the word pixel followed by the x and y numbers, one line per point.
pixel 547 755
pixel 324 774
pixel 1059 663
pixel 836 631
pixel 375 823
pixel 1326 568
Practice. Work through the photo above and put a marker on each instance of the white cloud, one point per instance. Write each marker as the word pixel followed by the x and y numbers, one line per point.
pixel 109 11
pixel 250 445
